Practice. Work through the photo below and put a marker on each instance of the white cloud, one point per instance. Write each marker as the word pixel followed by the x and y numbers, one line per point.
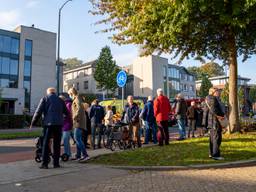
pixel 9 19
pixel 32 3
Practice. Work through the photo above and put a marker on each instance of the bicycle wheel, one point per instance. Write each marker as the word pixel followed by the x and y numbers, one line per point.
pixel 105 139
pixel 112 145
pixel 121 145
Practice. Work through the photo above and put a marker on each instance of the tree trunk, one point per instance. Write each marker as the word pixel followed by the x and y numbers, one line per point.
pixel 234 125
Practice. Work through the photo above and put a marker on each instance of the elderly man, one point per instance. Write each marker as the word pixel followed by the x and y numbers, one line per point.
pixel 162 109
pixel 131 116
pixel 52 108
pixel 213 111
pixel 180 112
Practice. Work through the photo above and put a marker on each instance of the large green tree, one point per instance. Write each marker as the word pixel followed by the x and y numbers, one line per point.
pixel 215 29
pixel 205 86
pixel 106 70
pixel 211 69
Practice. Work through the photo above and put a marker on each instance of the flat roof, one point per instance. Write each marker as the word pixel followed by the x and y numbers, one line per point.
pixel 225 77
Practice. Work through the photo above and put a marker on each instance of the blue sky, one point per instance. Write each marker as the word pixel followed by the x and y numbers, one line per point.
pixel 78 38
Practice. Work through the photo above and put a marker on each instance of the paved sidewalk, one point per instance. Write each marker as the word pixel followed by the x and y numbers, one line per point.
pixel 75 177
pixel 26 129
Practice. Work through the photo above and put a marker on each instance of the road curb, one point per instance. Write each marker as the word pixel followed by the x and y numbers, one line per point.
pixel 234 164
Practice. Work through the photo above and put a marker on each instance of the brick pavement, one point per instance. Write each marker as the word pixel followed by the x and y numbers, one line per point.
pixel 221 180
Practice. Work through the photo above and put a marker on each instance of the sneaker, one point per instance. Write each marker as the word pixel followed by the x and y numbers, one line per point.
pixel 210 156
pixel 218 158
pixel 84 159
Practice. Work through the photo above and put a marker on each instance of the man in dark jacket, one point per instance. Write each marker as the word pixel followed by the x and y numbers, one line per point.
pixel 131 116
pixel 180 112
pixel 147 115
pixel 96 115
pixel 213 110
pixel 52 108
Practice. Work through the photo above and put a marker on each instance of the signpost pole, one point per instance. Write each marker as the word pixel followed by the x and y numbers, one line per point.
pixel 122 97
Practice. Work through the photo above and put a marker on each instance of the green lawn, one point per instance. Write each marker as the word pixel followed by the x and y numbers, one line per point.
pixel 188 152
pixel 17 135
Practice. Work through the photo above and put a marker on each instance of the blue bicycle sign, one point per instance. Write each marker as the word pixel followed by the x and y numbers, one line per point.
pixel 121 78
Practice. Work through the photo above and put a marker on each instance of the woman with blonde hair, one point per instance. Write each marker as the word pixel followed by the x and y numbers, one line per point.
pixel 78 116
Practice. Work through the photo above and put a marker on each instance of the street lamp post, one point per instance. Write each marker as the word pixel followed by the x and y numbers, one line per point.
pixel 58 55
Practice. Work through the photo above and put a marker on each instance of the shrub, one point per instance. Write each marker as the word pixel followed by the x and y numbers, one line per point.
pixel 11 121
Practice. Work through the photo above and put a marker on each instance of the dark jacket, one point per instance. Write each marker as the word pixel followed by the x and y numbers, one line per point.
pixel 52 108
pixel 131 113
pixel 87 123
pixel 181 109
pixel 147 113
pixel 96 114
pixel 211 113
pixel 191 113
pixel 162 108
pixel 68 123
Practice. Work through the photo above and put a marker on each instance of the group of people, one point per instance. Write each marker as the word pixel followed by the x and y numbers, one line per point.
pixel 64 115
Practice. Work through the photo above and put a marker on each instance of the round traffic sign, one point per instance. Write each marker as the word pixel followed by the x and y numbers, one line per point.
pixel 121 78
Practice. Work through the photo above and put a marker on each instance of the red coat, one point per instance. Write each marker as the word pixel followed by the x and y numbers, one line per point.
pixel 162 108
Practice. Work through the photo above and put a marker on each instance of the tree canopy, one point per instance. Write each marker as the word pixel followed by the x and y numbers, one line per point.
pixel 210 69
pixel 198 27
pixel 205 86
pixel 213 29
pixel 106 70
pixel 71 62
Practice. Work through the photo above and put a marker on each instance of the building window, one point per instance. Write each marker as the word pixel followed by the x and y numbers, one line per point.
pixel 5 65
pixel 27 68
pixel 28 47
pixel 191 88
pixel 85 72
pixel 14 66
pixel 15 46
pixel 4 83
pixel 7 44
pixel 77 86
pixel 86 85
pixel 185 87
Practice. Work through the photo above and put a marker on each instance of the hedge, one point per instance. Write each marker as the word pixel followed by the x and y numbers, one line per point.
pixel 11 121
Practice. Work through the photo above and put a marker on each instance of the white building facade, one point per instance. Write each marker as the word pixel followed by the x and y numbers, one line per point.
pixel 153 72
pixel 28 68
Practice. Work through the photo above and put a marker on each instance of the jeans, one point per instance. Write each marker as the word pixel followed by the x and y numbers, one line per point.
pixel 49 132
pixel 151 125
pixel 66 138
pixel 182 128
pixel 96 130
pixel 80 147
